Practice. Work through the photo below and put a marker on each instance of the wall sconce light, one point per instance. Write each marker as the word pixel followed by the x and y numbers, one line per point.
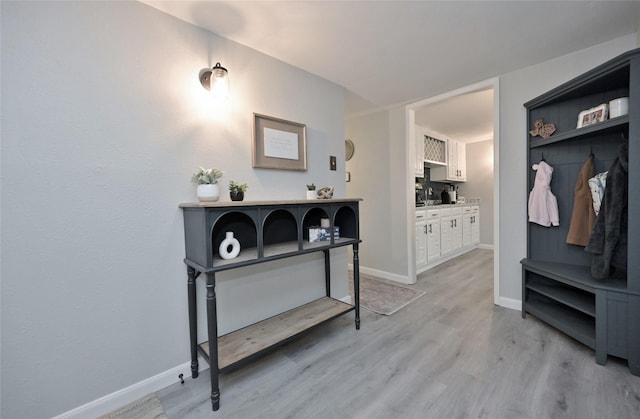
pixel 216 81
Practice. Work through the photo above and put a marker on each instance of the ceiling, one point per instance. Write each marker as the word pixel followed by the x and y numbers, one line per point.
pixel 388 53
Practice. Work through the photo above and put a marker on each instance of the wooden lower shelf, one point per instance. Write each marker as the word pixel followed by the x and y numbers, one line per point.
pixel 252 340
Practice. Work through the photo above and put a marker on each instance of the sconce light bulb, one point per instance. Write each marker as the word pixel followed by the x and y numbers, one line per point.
pixel 219 86
pixel 216 81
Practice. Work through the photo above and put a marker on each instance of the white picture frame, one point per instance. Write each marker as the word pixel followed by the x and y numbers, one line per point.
pixel 592 116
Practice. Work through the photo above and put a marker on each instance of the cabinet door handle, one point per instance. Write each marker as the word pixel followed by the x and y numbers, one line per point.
pixel 455 223
pixel 425 229
pixel 430 230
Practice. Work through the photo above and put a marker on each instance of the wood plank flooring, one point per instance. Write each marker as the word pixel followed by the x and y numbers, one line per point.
pixel 449 354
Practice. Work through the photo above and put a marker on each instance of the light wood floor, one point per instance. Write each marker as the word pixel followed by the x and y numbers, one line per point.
pixel 449 354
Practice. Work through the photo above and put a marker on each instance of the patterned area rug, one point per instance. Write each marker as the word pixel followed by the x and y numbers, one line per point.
pixel 148 407
pixel 383 297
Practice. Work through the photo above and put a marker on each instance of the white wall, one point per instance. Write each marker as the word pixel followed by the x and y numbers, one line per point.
pixel 370 180
pixel 378 175
pixel 479 184
pixel 103 123
pixel 516 88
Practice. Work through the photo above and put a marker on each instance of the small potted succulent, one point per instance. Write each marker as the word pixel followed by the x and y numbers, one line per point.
pixel 207 181
pixel 237 190
pixel 311 191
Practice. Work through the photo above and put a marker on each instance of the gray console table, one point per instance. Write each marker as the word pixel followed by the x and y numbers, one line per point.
pixel 266 230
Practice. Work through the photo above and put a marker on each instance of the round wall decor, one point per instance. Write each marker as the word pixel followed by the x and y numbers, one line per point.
pixel 349 149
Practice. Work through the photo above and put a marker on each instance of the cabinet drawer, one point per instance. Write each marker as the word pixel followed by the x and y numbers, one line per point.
pixel 433 214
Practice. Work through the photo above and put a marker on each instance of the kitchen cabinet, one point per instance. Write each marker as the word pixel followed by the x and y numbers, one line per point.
pixel 421 238
pixel 471 225
pixel 558 286
pixel 427 236
pixel 430 150
pixel 435 150
pixel 419 157
pixel 451 230
pixel 456 168
pixel 439 234
pixel 433 235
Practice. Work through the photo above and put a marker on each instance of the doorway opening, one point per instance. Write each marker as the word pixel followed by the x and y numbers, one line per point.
pixel 469 115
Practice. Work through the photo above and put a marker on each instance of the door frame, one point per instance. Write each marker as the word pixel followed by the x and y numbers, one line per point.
pixel 410 109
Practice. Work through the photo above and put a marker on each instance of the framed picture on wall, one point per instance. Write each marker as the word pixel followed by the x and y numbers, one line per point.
pixel 592 116
pixel 278 144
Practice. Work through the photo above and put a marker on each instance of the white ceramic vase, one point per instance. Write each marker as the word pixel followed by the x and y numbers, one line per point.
pixel 229 247
pixel 311 194
pixel 208 193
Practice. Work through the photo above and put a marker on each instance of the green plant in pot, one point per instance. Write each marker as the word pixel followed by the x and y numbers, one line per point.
pixel 237 190
pixel 207 181
pixel 311 191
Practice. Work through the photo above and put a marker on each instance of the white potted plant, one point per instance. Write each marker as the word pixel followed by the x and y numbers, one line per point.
pixel 311 191
pixel 207 181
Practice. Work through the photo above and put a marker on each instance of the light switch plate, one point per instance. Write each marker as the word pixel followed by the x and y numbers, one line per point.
pixel 332 162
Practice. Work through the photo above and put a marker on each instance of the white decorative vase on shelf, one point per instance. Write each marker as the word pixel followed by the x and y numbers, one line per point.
pixel 208 193
pixel 229 247
pixel 311 194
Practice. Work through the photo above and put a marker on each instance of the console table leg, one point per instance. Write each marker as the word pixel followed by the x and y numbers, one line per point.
pixel 193 320
pixel 212 331
pixel 356 283
pixel 327 272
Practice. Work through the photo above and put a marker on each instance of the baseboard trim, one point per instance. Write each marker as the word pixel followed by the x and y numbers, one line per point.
pixel 122 397
pixel 485 246
pixel 381 274
pixel 511 303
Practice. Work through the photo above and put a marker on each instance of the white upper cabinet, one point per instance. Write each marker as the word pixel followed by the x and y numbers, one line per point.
pixel 431 149
pixel 456 169
pixel 419 157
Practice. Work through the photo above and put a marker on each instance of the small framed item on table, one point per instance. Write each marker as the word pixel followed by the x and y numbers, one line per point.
pixel 322 234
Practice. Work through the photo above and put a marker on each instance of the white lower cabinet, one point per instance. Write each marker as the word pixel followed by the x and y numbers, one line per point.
pixel 433 235
pixel 445 232
pixel 475 228
pixel 451 230
pixel 470 225
pixel 421 238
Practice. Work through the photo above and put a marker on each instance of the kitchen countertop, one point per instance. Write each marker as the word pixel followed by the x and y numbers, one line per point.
pixel 432 206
